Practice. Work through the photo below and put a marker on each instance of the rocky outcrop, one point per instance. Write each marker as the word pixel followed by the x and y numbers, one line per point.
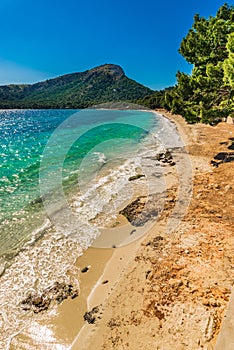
pixel 85 269
pixel 230 120
pixel 91 316
pixel 143 209
pixel 222 157
pixel 40 301
pixel 165 157
pixel 136 177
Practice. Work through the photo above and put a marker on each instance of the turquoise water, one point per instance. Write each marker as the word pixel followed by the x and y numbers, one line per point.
pixel 80 144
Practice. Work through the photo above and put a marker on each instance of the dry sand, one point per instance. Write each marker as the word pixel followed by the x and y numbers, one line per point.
pixel 164 291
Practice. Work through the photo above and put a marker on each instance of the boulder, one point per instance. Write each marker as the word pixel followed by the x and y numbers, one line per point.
pixel 40 300
pixel 91 316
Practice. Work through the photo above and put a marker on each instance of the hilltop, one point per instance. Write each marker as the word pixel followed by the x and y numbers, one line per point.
pixel 106 83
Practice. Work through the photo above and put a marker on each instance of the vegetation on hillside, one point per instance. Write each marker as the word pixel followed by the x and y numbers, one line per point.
pixel 156 99
pixel 105 83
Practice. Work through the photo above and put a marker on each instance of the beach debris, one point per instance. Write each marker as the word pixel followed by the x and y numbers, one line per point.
pixel 136 177
pixel 41 300
pixel 91 316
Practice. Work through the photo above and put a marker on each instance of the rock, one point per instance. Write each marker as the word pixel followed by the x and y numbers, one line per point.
pixel 2 268
pixel 91 316
pixel 135 177
pixel 36 302
pixel 85 269
pixel 159 156
pixel 75 294
pixel 224 157
pixel 231 146
pixel 40 301
pixel 143 209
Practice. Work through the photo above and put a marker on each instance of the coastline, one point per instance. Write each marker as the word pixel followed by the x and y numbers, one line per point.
pixel 116 282
pixel 119 263
pixel 193 323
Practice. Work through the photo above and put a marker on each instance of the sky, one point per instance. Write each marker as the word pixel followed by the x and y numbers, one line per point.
pixel 43 39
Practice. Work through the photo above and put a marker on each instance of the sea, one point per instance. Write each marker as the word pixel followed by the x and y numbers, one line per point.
pixel 64 176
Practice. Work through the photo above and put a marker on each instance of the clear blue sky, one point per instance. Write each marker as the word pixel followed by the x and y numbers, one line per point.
pixel 40 39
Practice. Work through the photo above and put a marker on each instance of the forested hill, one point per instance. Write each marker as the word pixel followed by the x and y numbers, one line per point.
pixel 106 83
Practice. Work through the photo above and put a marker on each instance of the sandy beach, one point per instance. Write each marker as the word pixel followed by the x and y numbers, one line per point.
pixel 163 290
pixel 173 291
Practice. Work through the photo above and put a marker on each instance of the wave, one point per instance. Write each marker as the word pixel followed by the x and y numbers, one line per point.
pixel 101 157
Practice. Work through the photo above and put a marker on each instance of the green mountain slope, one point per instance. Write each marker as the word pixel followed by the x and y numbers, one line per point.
pixel 106 83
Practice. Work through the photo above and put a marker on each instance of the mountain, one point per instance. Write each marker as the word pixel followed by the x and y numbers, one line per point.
pixel 106 83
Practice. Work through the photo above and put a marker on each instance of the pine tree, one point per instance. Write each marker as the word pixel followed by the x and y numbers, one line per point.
pixel 206 95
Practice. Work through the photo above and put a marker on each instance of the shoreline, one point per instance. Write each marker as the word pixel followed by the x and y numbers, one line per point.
pixel 126 255
pixel 109 276
pixel 54 318
pixel 114 329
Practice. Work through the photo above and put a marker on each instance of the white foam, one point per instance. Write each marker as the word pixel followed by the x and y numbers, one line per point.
pixel 101 157
pixel 34 269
